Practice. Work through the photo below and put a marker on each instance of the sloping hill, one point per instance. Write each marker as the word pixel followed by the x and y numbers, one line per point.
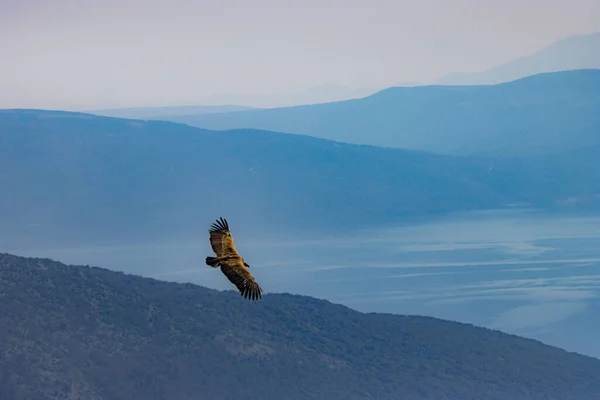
pixel 70 178
pixel 78 177
pixel 573 52
pixel 545 113
pixel 80 332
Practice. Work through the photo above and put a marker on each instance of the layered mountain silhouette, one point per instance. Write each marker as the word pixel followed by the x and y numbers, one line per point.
pixel 81 332
pixel 545 113
pixel 69 177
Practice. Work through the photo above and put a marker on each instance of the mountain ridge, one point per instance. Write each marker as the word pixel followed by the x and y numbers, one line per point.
pixel 79 170
pixel 539 114
pixel 76 175
pixel 118 335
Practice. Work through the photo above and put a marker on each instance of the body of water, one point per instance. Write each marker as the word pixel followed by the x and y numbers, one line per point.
pixel 521 272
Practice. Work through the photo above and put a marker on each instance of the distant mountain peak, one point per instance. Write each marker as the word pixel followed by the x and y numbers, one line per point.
pixel 570 53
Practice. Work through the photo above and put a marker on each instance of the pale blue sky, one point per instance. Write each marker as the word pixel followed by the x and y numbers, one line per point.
pixel 80 54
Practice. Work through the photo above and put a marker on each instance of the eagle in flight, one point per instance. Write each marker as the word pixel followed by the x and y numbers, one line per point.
pixel 232 264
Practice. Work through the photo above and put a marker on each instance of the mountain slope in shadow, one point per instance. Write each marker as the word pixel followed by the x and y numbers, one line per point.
pixel 79 332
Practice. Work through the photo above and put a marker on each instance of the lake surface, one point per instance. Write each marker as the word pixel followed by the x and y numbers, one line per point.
pixel 518 271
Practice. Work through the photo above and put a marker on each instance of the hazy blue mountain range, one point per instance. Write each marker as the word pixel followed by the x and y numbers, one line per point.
pixel 90 175
pixel 70 176
pixel 571 53
pixel 214 104
pixel 164 112
pixel 545 113
pixel 79 332
pixel 313 95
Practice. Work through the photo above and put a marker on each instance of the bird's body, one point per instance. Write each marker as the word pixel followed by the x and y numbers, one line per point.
pixel 232 264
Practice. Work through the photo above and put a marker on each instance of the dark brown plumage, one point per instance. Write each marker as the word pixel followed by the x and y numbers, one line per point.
pixel 232 264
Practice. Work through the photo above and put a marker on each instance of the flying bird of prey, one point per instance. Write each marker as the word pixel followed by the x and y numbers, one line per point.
pixel 232 264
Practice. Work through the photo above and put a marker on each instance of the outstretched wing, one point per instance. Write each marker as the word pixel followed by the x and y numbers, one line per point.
pixel 241 277
pixel 221 240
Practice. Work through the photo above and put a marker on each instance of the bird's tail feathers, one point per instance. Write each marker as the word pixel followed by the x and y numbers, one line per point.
pixel 212 261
